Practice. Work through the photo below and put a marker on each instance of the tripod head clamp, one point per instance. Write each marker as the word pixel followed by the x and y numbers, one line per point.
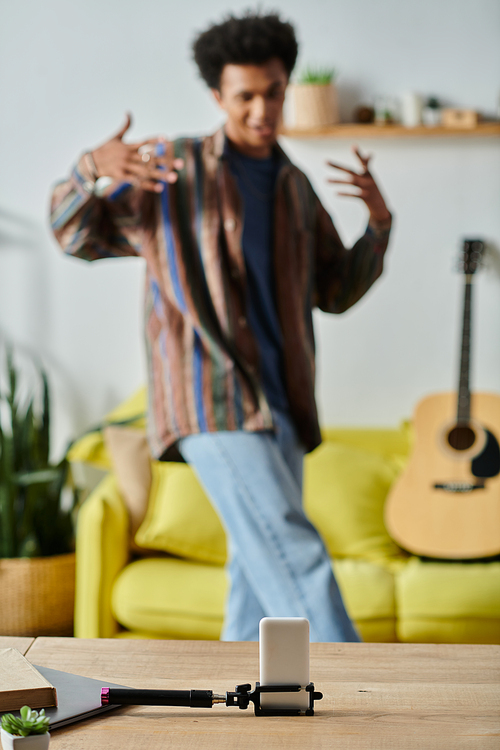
pixel 244 695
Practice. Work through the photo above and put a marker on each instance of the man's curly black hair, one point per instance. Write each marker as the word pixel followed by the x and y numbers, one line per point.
pixel 252 39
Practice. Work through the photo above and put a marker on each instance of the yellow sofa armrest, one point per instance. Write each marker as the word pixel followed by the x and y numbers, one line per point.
pixel 102 551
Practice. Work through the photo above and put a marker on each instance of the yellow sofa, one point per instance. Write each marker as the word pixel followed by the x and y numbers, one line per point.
pixel 151 550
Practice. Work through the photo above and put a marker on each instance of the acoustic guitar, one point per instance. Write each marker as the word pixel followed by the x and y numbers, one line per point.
pixel 446 503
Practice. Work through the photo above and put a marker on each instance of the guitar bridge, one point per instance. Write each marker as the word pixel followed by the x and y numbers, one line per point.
pixel 460 486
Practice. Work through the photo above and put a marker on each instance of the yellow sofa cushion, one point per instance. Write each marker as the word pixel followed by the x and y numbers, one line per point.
pixel 385 442
pixel 368 593
pixel 180 519
pixel 443 602
pixel 174 598
pixel 344 494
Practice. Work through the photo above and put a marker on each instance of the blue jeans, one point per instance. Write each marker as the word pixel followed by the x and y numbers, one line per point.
pixel 279 566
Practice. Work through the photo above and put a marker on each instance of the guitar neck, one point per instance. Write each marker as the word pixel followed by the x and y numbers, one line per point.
pixel 463 406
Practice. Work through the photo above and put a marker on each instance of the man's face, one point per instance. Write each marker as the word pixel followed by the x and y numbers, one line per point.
pixel 252 96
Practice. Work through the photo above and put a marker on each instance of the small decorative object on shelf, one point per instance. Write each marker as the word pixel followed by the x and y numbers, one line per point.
pixel 460 118
pixel 411 109
pixel 364 114
pixel 30 731
pixel 386 110
pixel 431 113
pixel 313 99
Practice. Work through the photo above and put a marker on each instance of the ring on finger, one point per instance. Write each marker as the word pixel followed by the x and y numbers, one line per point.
pixel 146 152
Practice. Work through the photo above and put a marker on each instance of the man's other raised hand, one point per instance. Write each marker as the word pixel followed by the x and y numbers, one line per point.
pixel 367 189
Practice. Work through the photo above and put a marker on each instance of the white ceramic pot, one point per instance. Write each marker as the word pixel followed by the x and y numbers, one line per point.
pixel 31 742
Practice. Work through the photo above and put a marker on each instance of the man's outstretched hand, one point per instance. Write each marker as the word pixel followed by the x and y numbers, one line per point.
pixel 368 190
pixel 135 162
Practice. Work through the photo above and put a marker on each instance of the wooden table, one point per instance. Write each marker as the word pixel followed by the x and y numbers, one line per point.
pixel 377 696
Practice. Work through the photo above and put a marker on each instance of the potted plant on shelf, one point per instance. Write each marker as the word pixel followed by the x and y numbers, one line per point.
pixel 313 99
pixel 37 561
pixel 30 731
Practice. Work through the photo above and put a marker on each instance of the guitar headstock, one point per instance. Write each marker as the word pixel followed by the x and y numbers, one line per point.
pixel 472 255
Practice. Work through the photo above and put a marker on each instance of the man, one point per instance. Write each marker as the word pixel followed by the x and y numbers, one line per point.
pixel 238 251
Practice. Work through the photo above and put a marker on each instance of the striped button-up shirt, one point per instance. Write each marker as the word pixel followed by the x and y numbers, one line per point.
pixel 203 359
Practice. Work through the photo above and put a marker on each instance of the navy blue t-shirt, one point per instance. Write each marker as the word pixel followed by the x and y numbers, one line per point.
pixel 256 179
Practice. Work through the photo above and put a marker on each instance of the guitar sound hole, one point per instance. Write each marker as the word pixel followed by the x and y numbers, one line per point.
pixel 461 438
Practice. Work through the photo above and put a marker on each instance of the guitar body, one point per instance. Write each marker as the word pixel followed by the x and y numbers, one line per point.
pixel 446 504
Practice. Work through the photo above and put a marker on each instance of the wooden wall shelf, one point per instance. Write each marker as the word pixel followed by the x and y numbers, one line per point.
pixel 355 130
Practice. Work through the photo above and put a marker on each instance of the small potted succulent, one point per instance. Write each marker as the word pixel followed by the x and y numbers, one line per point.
pixel 30 731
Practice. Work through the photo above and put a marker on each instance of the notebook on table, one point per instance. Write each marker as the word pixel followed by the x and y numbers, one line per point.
pixel 21 684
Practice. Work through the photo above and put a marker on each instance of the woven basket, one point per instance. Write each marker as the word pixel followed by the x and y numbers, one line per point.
pixel 37 595
pixel 313 105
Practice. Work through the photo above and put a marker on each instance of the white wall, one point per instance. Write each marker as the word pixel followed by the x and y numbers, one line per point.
pixel 68 72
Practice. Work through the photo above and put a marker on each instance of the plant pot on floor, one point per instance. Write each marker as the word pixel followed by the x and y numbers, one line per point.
pixel 37 595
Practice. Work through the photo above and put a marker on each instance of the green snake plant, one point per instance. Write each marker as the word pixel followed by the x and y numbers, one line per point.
pixel 33 521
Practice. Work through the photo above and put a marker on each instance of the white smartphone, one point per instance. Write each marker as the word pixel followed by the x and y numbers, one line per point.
pixel 284 660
